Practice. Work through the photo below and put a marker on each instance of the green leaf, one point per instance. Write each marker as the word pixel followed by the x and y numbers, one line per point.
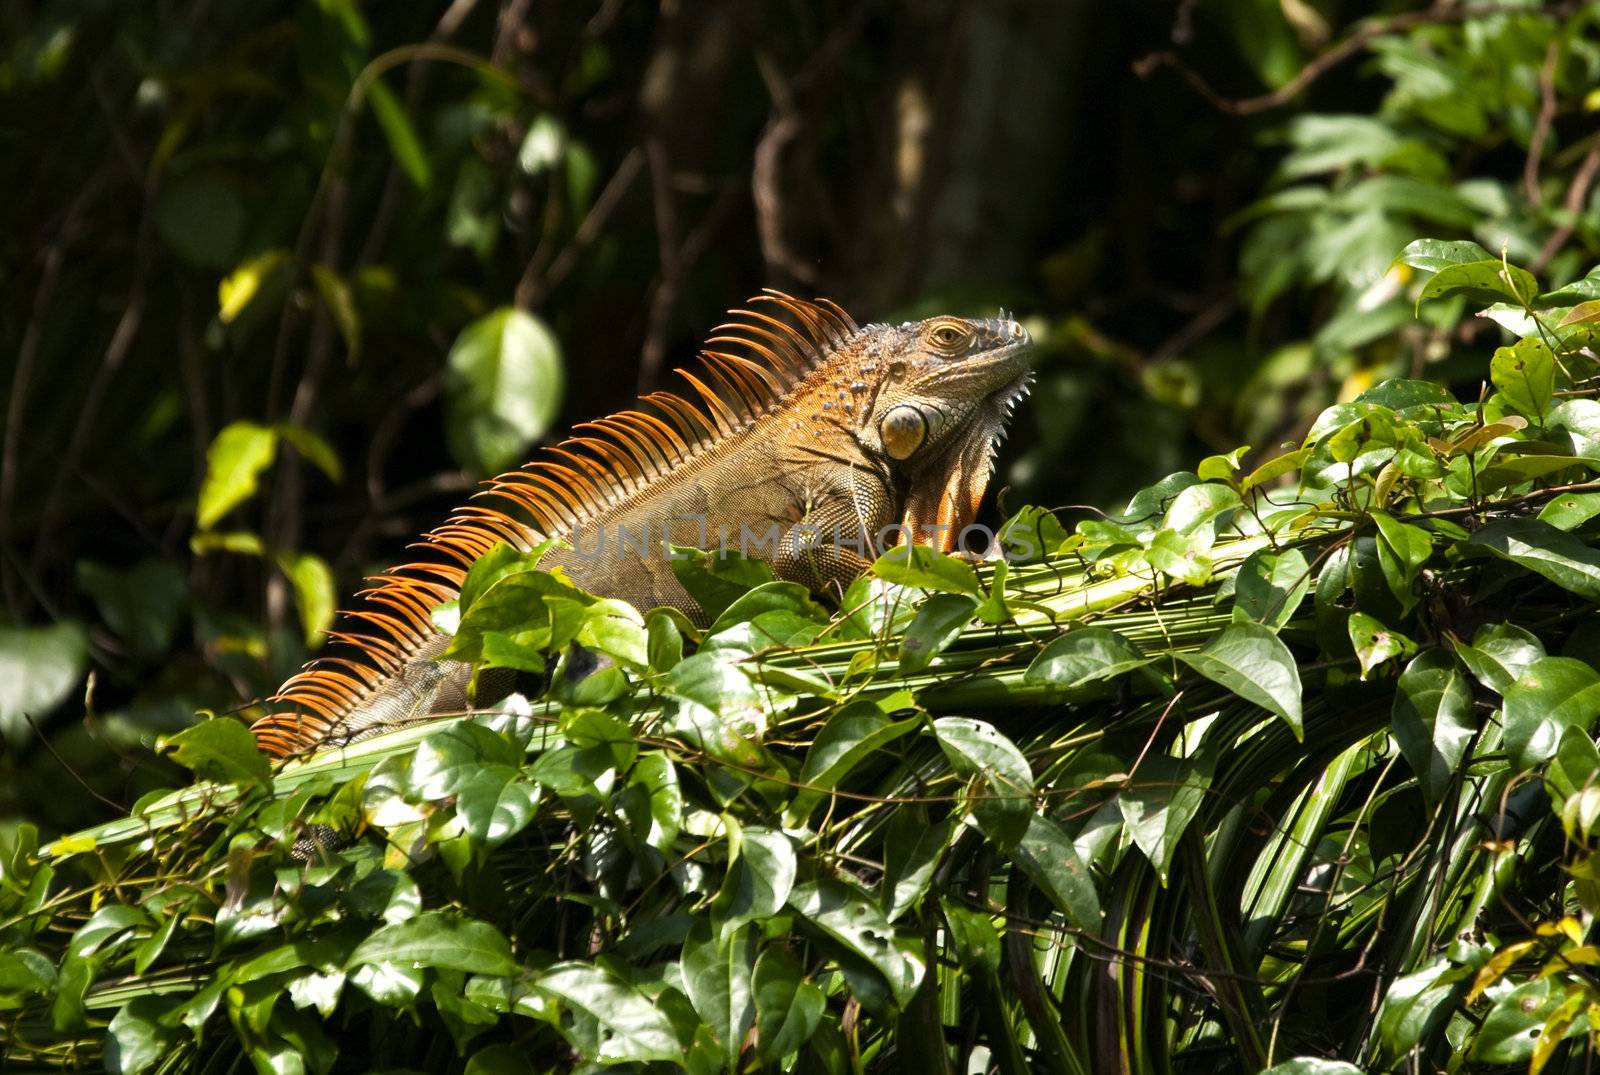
pixel 1512 470
pixel 500 1059
pixel 912 849
pixel 503 389
pixel 926 568
pixel 234 463
pixel 1374 643
pixel 937 624
pixel 664 640
pixel 111 923
pixel 718 978
pixel 338 299
pixel 200 214
pixel 854 732
pixel 1434 255
pixel 402 137
pixel 1580 420
pixel 766 598
pixel 1160 799
pixel 313 448
pixel 142 604
pixel 439 940
pixel 1576 292
pixel 27 970
pixel 1509 1031
pixel 714 681
pixel 1050 859
pixel 239 542
pixel 1570 510
pixel 138 1039
pixel 1403 550
pixel 495 803
pixel 446 760
pixel 1253 663
pixel 1525 373
pixel 656 813
pixel 1553 694
pixel 1030 535
pixel 1417 1005
pixel 758 882
pixel 1199 505
pixel 844 914
pixel 1541 548
pixel 1270 587
pixel 1221 468
pixel 1003 804
pixel 1403 393
pixel 223 750
pixel 1499 654
pixel 39 667
pixel 313 592
pixel 240 287
pixel 1275 468
pixel 788 1007
pixel 1432 720
pixel 627 1026
pixel 973 937
pixel 1085 655
pixel 717 579
pixel 1570 779
pixel 1313 1065
pixel 1182 557
pixel 1483 281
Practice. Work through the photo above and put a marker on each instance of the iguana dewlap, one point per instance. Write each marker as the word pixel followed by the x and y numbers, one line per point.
pixel 811 439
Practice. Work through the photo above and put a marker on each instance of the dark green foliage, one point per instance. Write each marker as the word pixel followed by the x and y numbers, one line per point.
pixel 1239 772
pixel 1285 745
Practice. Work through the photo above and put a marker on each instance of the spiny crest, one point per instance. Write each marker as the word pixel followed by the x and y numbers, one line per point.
pixel 749 365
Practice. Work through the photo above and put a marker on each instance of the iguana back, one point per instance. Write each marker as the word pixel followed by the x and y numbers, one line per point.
pixel 812 443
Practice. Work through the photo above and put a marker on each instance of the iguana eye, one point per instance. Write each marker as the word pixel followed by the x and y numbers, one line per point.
pixel 903 430
pixel 950 337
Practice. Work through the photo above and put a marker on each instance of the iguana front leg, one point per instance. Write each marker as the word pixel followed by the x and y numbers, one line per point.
pixel 834 540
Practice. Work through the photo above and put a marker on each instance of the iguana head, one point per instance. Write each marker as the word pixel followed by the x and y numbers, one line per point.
pixel 944 389
pixel 944 381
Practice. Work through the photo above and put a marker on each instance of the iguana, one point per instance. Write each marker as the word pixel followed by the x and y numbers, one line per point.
pixel 814 435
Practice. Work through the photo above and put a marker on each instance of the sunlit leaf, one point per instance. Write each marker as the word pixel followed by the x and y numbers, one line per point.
pixel 440 940
pixel 503 388
pixel 1525 374
pixel 788 1007
pixel 1000 801
pixel 220 749
pixel 938 623
pixel 234 463
pixel 313 592
pixel 1551 695
pixel 402 137
pixel 629 1028
pixel 39 667
pixel 1253 663
pixel 1084 655
pixel 1433 720
pixel 1543 549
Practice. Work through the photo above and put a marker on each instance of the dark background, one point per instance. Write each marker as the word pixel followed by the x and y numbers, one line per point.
pixel 1194 206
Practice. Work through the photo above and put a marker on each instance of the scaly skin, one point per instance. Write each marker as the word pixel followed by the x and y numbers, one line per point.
pixel 811 449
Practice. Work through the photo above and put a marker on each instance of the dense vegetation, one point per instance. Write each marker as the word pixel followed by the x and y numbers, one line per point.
pixel 1291 755
pixel 1224 778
